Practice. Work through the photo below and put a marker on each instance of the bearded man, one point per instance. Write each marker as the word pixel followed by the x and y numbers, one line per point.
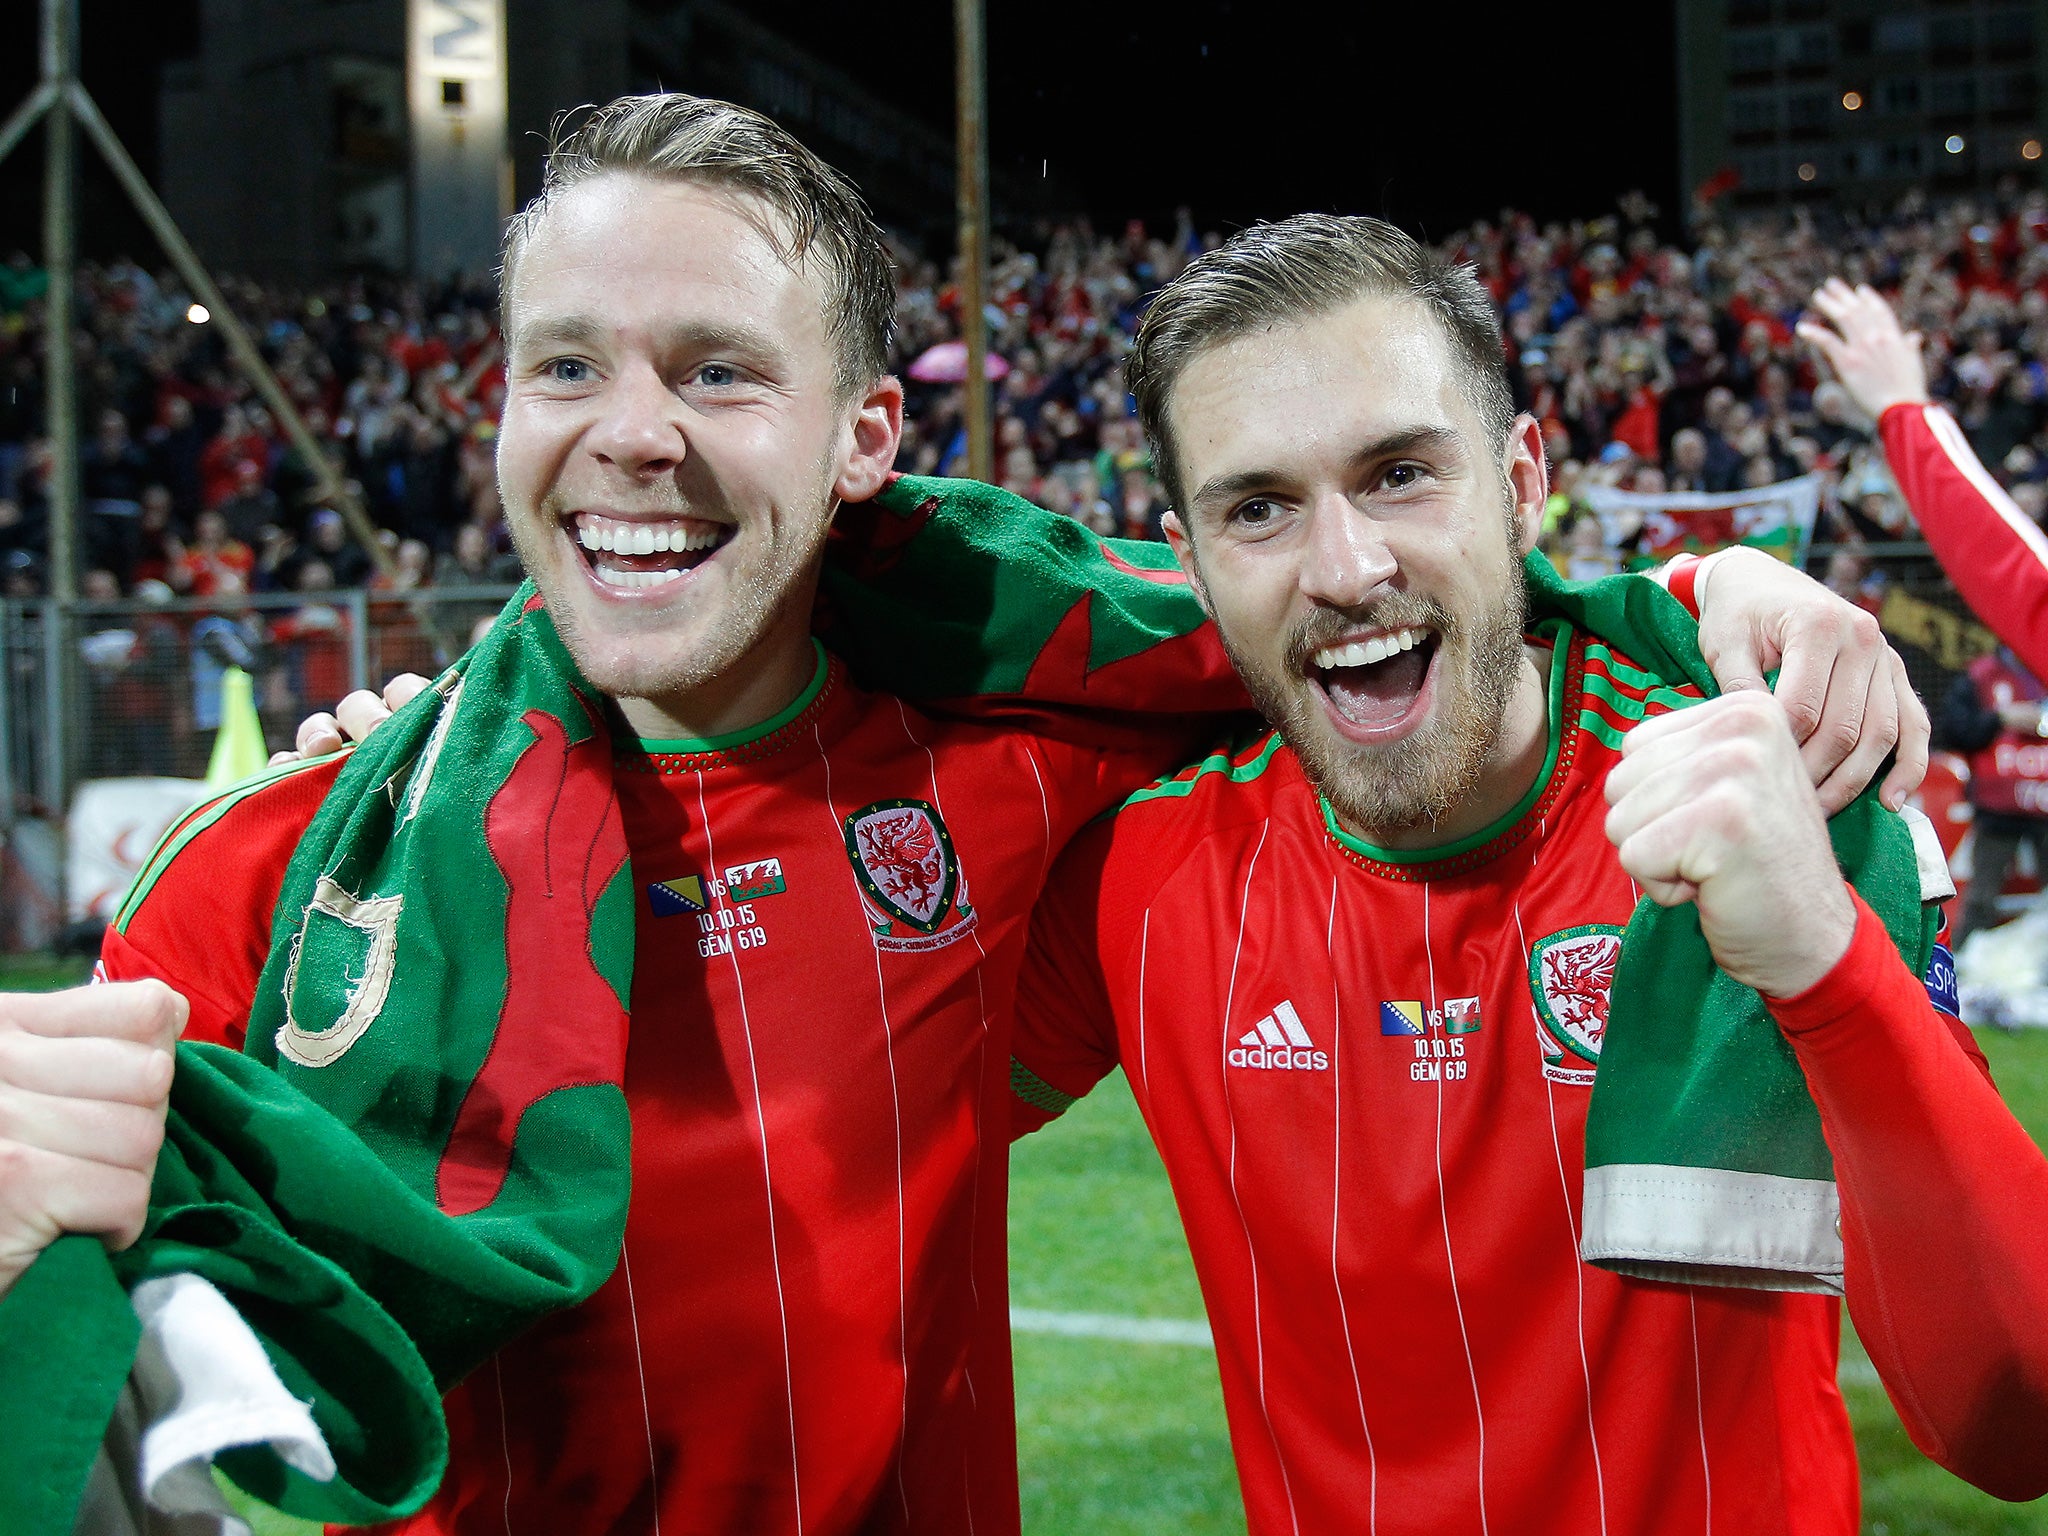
pixel 1360 969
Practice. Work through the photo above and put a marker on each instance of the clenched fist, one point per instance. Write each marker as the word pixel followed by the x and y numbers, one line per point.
pixel 85 1079
pixel 1713 805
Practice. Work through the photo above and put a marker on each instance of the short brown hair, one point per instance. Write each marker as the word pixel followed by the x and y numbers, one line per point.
pixel 817 211
pixel 1307 265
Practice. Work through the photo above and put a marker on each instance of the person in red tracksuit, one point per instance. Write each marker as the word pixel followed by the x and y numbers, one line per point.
pixel 1994 553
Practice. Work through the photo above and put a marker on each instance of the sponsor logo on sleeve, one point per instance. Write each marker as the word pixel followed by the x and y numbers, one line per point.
pixel 1941 981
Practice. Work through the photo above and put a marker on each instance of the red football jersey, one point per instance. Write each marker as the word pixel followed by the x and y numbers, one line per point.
pixel 808 1327
pixel 1367 1073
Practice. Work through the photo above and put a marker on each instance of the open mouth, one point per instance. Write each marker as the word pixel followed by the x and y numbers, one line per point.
pixel 1378 685
pixel 642 553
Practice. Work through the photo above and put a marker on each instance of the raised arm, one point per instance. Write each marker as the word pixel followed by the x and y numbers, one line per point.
pixel 1994 553
pixel 1946 1256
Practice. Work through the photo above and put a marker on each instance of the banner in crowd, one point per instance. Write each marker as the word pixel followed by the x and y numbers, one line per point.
pixel 1953 640
pixel 1777 519
pixel 114 824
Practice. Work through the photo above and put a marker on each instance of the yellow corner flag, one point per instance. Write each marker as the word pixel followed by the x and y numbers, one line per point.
pixel 238 749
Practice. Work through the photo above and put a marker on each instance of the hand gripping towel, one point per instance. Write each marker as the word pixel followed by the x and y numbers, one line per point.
pixel 1705 1162
pixel 425 1146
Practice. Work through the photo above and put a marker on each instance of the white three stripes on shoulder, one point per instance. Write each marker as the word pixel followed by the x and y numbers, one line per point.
pixel 1949 436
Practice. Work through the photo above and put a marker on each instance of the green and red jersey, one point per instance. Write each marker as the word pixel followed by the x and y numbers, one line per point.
pixel 1368 1072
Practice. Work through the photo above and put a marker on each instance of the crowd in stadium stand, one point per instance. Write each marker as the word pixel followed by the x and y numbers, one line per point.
pixel 1652 367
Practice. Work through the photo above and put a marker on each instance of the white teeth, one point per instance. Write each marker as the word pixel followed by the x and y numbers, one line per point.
pixel 597 533
pixel 612 576
pixel 1367 653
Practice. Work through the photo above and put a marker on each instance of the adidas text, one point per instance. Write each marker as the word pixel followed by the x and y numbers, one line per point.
pixel 1278 1041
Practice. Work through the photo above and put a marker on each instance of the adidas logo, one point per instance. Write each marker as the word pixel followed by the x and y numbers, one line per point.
pixel 1279 1041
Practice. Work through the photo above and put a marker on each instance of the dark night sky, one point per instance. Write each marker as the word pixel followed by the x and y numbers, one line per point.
pixel 1426 114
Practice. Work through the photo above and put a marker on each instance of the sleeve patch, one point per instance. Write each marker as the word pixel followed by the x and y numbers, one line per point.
pixel 1941 979
pixel 1039 1094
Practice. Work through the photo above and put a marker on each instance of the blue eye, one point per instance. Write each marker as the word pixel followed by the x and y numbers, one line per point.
pixel 568 370
pixel 717 375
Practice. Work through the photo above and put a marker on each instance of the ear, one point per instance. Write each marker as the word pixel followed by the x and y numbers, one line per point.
pixel 877 429
pixel 1528 479
pixel 1184 551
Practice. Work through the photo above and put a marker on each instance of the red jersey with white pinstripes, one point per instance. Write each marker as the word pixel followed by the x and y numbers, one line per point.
pixel 808 1329
pixel 1994 553
pixel 1375 1137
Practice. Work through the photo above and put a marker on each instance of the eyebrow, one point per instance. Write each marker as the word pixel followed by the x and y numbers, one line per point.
pixel 687 336
pixel 1227 488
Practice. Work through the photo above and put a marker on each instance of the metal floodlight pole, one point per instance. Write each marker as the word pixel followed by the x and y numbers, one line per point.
pixel 971 137
pixel 68 106
pixel 60 383
pixel 241 345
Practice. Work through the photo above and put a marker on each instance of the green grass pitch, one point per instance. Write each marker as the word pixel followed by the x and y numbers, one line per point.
pixel 1119 1439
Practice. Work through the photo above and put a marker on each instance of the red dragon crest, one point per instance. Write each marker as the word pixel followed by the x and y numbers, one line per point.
pixel 904 859
pixel 1577 982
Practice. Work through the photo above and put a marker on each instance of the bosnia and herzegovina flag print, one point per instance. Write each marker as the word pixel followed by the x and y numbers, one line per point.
pixel 1404 1018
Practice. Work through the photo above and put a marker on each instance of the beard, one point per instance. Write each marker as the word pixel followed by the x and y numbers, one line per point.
pixel 1414 782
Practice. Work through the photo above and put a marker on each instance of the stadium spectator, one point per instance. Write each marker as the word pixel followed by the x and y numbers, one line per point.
pixel 214 562
pixel 1614 335
pixel 1994 713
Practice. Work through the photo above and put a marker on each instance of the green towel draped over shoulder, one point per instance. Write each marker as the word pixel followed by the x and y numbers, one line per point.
pixel 411 1162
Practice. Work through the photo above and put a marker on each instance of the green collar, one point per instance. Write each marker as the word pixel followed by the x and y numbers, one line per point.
pixel 687 745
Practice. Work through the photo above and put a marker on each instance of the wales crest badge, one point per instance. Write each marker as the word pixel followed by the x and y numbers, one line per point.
pixel 909 874
pixel 1571 977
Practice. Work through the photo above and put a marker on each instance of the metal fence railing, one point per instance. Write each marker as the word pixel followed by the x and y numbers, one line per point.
pixel 94 691
pixel 111 690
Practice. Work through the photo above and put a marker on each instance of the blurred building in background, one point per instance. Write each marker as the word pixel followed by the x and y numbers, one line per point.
pixel 1787 101
pixel 295 148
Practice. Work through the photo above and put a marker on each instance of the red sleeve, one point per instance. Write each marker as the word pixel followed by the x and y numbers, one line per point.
pixel 1944 1201
pixel 1994 553
pixel 1065 1040
pixel 199 914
